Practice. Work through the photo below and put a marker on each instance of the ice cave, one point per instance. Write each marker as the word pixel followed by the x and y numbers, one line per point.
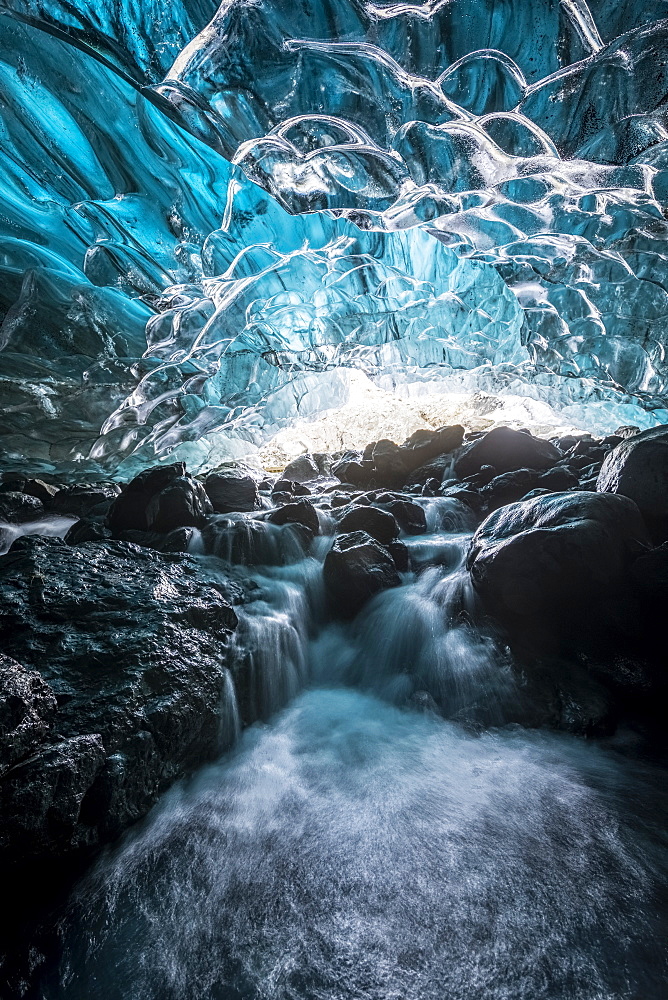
pixel 333 499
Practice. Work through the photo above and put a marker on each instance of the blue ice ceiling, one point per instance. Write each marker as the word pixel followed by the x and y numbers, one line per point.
pixel 207 217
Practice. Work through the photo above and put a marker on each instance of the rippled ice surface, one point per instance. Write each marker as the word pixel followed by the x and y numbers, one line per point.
pixel 353 849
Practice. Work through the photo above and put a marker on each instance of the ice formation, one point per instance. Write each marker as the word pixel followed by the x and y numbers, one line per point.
pixel 210 218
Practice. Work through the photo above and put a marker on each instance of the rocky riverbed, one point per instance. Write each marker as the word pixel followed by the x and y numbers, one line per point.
pixel 135 643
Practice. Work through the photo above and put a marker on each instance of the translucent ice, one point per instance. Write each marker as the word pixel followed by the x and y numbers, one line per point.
pixel 205 226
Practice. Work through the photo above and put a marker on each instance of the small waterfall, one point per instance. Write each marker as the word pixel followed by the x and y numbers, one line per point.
pixel 230 718
pixel 247 541
pixel 269 648
pixel 444 514
pixel 53 527
pixel 415 645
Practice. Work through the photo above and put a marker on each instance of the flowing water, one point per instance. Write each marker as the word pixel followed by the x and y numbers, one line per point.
pixel 356 845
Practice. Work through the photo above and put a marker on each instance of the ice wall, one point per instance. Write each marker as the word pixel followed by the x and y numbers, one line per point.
pixel 203 226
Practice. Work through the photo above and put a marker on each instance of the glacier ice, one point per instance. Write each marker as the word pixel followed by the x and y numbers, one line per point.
pixel 210 218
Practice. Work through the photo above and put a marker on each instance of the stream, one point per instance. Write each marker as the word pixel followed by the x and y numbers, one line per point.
pixel 356 845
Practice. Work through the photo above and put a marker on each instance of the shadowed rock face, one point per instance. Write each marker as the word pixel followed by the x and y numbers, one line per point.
pixel 541 556
pixel 506 450
pixel 638 468
pixel 130 645
pixel 356 568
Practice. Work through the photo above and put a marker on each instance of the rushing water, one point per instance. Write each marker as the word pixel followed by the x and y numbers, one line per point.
pixel 353 847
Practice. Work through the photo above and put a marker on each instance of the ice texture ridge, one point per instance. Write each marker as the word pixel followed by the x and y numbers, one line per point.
pixel 208 217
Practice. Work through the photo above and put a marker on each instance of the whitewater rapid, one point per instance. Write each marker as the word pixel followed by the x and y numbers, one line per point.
pixel 352 847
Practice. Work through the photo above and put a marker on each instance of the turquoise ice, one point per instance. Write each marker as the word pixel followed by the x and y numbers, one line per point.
pixel 208 216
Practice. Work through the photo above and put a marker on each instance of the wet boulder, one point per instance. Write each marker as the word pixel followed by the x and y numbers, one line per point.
pixel 506 450
pixel 18 508
pixel 380 524
pixel 160 500
pixel 426 445
pixel 84 500
pixel 410 516
pixel 301 512
pixel 509 487
pixel 356 568
pixel 289 489
pixel 87 529
pixel 354 469
pixel 551 569
pixel 27 709
pixel 131 645
pixel 390 466
pixel 301 470
pixel 38 488
pixel 232 492
pixel 638 468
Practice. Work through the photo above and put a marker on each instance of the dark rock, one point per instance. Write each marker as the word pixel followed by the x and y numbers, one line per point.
pixel 12 483
pixel 627 431
pixel 509 487
pixel 177 540
pixel 27 708
pixel 638 468
pixel 482 477
pixel 87 529
pixel 431 488
pixel 132 644
pixel 425 445
pixel 41 490
pixel 507 450
pixel 160 500
pixel 17 508
pixel 128 512
pixel 650 574
pixel 184 503
pixel 566 442
pixel 562 694
pixel 542 492
pixel 470 497
pixel 232 492
pixel 339 499
pixel 147 539
pixel 547 568
pixel 301 470
pixel 410 516
pixel 386 464
pixel 79 501
pixel 558 480
pixel 301 512
pixel 356 568
pixel 290 488
pixel 400 555
pixel 352 468
pixel 389 467
pixel 43 798
pixel 380 524
pixel 434 470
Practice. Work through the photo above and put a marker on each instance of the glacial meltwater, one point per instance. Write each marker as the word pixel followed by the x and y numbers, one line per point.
pixel 357 845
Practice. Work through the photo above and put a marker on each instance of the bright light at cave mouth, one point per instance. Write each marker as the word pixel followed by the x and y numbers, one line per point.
pixel 207 228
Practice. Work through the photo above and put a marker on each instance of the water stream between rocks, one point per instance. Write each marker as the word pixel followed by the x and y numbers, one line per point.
pixel 356 845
